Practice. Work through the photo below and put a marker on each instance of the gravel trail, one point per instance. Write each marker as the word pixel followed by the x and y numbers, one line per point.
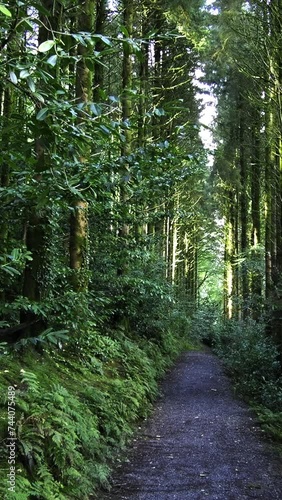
pixel 199 443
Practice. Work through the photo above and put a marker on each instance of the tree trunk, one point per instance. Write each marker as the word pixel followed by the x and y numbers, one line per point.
pixel 126 146
pixel 37 223
pixel 256 277
pixel 79 215
pixel 243 209
pixel 98 79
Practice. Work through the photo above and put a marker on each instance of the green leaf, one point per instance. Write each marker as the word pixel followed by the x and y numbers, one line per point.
pixel 5 11
pixel 113 98
pixel 10 270
pixel 80 106
pixel 39 97
pixel 103 39
pixel 95 109
pixel 159 112
pixel 24 73
pixel 41 115
pixel 76 192
pixel 28 25
pixel 124 31
pixel 15 254
pixel 104 130
pixel 52 60
pixel 13 77
pixel 45 46
pixel 31 84
pixel 54 337
pixel 79 38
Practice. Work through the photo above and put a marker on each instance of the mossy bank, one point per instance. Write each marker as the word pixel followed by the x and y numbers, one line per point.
pixel 75 409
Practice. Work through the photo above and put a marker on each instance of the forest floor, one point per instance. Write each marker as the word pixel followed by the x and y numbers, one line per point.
pixel 200 442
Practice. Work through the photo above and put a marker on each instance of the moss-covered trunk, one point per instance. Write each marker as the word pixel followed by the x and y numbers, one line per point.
pixel 79 209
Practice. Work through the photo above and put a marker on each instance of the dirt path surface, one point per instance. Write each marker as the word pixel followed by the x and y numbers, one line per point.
pixel 200 442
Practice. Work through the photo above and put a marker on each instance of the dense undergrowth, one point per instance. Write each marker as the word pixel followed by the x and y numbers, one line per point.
pixel 251 358
pixel 78 399
pixel 77 404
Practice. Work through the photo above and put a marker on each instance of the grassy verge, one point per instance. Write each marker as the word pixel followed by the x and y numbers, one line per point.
pixel 74 409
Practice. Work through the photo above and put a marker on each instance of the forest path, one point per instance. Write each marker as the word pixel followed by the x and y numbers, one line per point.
pixel 199 443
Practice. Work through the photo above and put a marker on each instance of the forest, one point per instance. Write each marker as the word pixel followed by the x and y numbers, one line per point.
pixel 125 238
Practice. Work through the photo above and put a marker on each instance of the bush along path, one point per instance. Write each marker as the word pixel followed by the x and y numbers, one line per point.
pixel 201 442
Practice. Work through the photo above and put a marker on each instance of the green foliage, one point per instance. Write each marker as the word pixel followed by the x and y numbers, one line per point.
pixel 5 11
pixel 86 379
pixel 57 437
pixel 249 355
pixel 271 420
pixel 48 336
pixel 205 322
pixel 13 264
pixel 77 408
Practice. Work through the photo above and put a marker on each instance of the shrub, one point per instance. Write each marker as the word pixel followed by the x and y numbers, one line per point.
pixel 251 358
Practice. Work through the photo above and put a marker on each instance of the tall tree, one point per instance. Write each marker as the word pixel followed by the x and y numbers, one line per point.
pixel 83 94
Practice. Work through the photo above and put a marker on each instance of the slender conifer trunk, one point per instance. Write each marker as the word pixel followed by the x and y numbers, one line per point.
pixel 78 247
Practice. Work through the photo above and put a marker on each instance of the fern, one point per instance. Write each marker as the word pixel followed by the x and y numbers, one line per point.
pixel 30 379
pixel 76 409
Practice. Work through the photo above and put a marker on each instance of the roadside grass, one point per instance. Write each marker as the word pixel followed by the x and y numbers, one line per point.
pixel 76 408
